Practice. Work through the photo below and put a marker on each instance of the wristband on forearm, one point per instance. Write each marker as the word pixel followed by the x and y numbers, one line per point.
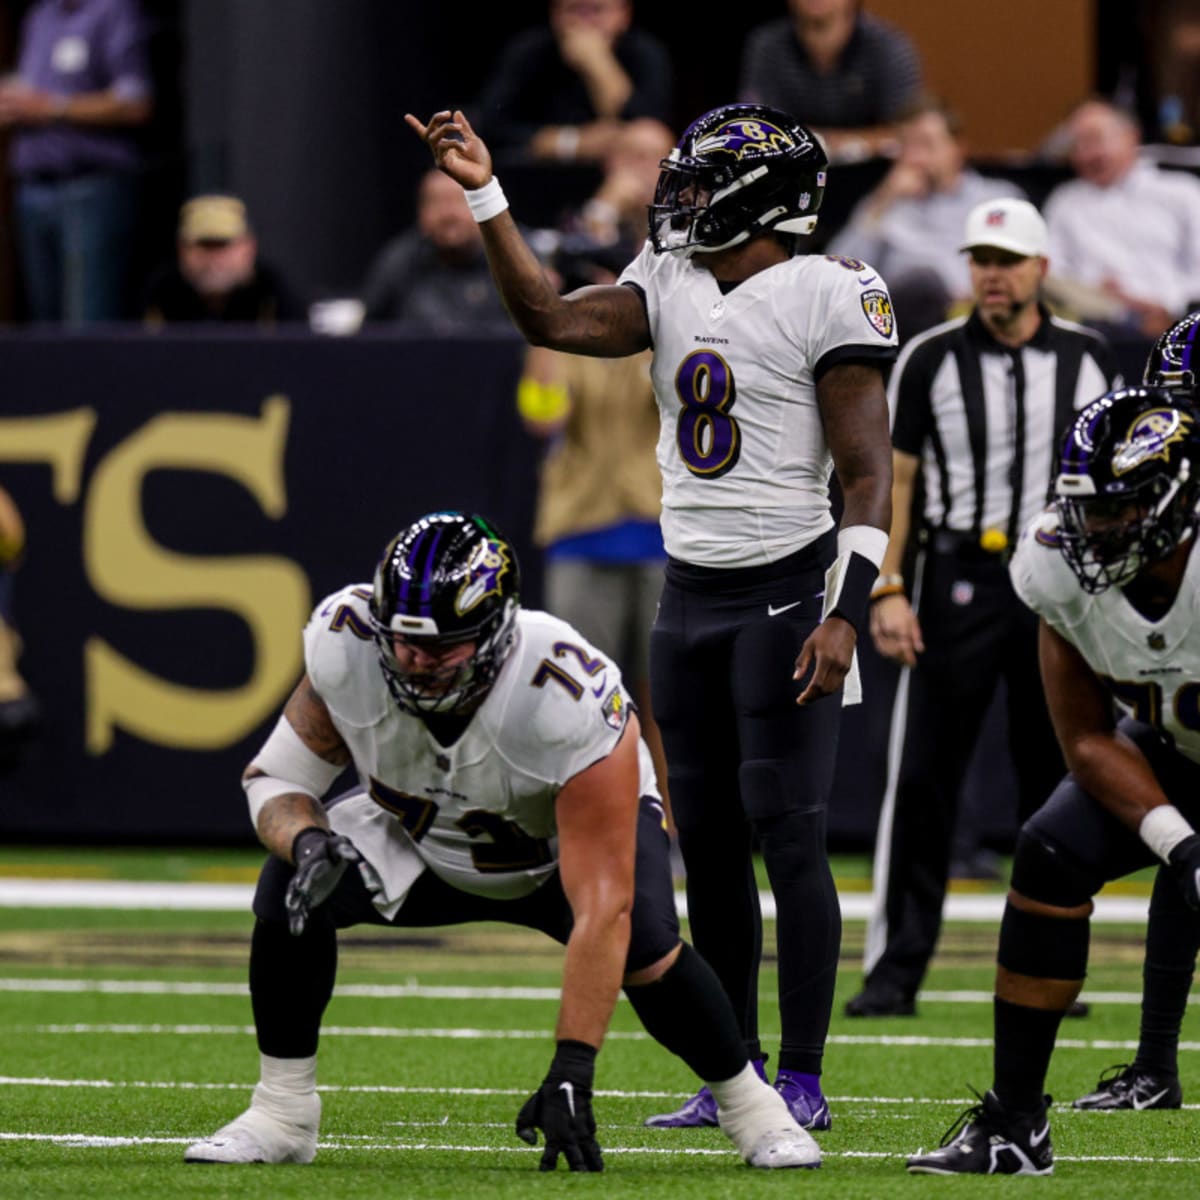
pixel 860 552
pixel 887 585
pixel 486 202
pixel 1163 828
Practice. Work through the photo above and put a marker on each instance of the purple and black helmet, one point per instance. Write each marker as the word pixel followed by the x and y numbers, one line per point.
pixel 448 578
pixel 1128 484
pixel 736 172
pixel 1174 360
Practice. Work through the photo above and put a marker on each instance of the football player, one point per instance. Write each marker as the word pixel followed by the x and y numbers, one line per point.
pixel 768 368
pixel 1112 574
pixel 501 778
pixel 1151 1081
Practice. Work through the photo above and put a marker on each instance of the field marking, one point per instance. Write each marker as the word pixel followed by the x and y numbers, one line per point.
pixel 420 991
pixel 471 1034
pixel 105 1141
pixel 236 897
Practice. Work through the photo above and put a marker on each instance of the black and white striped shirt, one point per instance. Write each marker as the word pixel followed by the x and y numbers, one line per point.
pixel 985 419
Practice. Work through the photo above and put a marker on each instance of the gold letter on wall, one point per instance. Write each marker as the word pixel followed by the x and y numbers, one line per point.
pixel 127 567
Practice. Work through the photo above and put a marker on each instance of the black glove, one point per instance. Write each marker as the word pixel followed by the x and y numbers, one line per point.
pixel 320 858
pixel 1185 864
pixel 562 1109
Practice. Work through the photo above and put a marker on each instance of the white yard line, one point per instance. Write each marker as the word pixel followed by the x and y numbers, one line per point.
pixel 415 991
pixel 236 897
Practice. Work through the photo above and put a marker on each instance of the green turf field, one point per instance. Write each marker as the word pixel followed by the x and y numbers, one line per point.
pixel 126 1034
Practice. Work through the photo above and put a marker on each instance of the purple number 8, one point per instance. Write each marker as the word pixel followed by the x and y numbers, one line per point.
pixel 708 438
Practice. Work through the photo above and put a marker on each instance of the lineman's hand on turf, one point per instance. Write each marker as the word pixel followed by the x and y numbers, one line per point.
pixel 321 858
pixel 562 1109
pixel 1185 863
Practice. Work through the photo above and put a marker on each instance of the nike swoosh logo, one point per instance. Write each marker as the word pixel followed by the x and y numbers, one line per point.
pixel 869 279
pixel 1153 1100
pixel 772 611
pixel 1036 1139
pixel 598 690
pixel 569 1088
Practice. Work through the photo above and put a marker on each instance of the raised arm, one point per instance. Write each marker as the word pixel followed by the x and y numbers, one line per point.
pixel 605 322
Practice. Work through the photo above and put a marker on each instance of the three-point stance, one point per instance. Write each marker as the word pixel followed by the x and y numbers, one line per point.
pixel 1113 575
pixel 768 370
pixel 501 778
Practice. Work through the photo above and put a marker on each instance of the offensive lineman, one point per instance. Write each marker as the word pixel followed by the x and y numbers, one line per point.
pixel 501 778
pixel 1112 574
pixel 768 364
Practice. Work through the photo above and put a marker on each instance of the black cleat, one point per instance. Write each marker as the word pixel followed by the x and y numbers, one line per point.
pixel 881 1000
pixel 988 1140
pixel 1130 1087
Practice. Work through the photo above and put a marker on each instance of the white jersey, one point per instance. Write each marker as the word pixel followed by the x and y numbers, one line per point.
pixel 741 447
pixel 1152 668
pixel 479 813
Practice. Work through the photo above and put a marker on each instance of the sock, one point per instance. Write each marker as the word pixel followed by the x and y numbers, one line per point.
pixel 291 981
pixel 1166 977
pixel 688 1012
pixel 288 1074
pixel 1024 1042
pixel 743 1092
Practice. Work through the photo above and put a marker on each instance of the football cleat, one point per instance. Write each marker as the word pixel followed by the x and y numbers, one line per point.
pixel 700 1110
pixel 881 1000
pixel 1131 1087
pixel 765 1133
pixel 277 1131
pixel 810 1110
pixel 778 1148
pixel 988 1140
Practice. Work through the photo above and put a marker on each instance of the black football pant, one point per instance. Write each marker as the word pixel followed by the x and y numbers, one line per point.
pixel 745 764
pixel 976 632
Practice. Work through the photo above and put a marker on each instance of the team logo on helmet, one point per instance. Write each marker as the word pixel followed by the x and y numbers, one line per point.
pixel 744 138
pixel 1149 437
pixel 486 567
pixel 877 306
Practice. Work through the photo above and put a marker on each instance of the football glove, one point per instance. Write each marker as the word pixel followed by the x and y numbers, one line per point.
pixel 321 859
pixel 562 1109
pixel 1185 863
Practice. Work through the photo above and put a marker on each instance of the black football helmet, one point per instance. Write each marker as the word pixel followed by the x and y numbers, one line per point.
pixel 448 578
pixel 737 171
pixel 1174 361
pixel 1128 484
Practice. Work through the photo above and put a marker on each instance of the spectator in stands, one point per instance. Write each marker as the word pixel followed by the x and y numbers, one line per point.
pixel 1125 229
pixel 909 227
pixel 435 273
pixel 218 274
pixel 81 89
pixel 19 714
pixel 846 74
pixel 560 92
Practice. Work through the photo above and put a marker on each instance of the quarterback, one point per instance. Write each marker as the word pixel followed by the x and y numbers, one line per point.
pixel 501 777
pixel 768 367
pixel 1112 573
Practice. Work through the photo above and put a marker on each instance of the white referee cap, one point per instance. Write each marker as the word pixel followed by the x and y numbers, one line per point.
pixel 1007 224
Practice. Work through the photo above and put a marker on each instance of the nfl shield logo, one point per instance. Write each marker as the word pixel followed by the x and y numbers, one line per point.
pixel 962 593
pixel 1156 641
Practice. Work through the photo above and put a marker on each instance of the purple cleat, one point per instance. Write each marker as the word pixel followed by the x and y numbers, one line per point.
pixel 700 1110
pixel 804 1099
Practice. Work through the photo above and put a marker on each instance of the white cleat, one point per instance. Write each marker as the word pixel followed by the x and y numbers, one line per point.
pixel 777 1148
pixel 766 1134
pixel 272 1130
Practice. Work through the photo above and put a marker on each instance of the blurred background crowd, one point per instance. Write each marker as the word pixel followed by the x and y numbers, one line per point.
pixel 210 164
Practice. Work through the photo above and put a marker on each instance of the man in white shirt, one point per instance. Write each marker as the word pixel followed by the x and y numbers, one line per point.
pixel 1125 227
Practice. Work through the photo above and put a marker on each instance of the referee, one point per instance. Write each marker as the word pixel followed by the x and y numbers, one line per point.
pixel 978 405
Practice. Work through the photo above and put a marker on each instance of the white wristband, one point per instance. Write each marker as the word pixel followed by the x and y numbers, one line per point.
pixel 866 540
pixel 1163 828
pixel 486 202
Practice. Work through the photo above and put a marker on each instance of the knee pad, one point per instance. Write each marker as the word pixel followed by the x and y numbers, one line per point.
pixel 1043 872
pixel 771 787
pixel 1043 947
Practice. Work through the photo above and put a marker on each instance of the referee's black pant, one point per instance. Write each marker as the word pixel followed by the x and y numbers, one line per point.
pixel 976 632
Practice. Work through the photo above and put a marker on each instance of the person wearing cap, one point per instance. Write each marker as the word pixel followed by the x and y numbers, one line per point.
pixel 218 274
pixel 978 405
